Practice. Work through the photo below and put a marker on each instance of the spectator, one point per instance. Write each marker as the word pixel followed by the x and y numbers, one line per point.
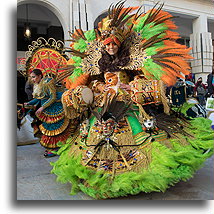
pixel 210 83
pixel 189 86
pixel 200 91
pixel 29 89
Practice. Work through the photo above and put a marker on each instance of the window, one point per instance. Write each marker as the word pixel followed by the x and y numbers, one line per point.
pixel 183 41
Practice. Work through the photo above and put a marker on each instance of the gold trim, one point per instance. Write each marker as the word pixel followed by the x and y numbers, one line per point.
pixel 51 119
pixel 40 43
pixel 137 54
pixel 56 131
pixel 90 63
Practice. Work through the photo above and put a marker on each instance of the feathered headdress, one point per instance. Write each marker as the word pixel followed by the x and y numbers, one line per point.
pixel 49 57
pixel 152 45
pixel 116 27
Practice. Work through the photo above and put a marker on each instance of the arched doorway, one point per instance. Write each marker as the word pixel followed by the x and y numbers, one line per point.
pixel 43 22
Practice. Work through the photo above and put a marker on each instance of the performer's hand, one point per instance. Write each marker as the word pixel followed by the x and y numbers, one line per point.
pixel 111 91
pixel 26 104
pixel 39 111
pixel 109 95
pixel 125 87
pixel 101 87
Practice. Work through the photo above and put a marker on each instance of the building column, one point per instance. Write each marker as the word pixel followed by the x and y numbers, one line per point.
pixel 78 16
pixel 202 49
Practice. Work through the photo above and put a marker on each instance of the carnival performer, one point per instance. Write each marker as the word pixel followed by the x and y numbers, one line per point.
pixel 128 140
pixel 51 124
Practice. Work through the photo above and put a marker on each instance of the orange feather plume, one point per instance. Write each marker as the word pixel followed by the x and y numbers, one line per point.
pixel 81 80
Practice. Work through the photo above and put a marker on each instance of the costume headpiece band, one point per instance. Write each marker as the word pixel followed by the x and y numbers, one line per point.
pixel 112 39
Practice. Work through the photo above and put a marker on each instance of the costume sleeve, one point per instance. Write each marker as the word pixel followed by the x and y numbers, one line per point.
pixel 95 86
pixel 96 81
pixel 33 102
pixel 50 90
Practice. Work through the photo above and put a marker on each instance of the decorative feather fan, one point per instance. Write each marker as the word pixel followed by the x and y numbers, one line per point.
pixel 163 58
pixel 112 109
pixel 153 47
pixel 49 57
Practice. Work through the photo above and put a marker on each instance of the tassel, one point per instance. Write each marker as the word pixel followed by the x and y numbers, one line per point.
pixel 163 98
pixel 69 105
pixel 142 113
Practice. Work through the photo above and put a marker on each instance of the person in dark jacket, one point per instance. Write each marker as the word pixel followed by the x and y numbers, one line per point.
pixel 210 83
pixel 29 89
pixel 200 91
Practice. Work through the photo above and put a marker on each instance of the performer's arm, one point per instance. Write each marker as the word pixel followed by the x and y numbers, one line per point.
pixel 33 102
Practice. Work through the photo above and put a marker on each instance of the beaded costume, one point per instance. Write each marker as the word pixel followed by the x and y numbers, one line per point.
pixel 51 125
pixel 54 126
pixel 128 140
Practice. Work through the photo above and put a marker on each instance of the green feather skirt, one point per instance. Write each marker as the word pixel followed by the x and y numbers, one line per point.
pixel 167 163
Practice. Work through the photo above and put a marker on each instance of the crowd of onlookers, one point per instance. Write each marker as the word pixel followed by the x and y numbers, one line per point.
pixel 198 89
pixel 202 92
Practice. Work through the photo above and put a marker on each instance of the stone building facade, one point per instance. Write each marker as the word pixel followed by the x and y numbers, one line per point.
pixel 195 22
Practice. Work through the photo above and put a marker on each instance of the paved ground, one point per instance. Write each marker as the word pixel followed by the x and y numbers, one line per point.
pixel 34 181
